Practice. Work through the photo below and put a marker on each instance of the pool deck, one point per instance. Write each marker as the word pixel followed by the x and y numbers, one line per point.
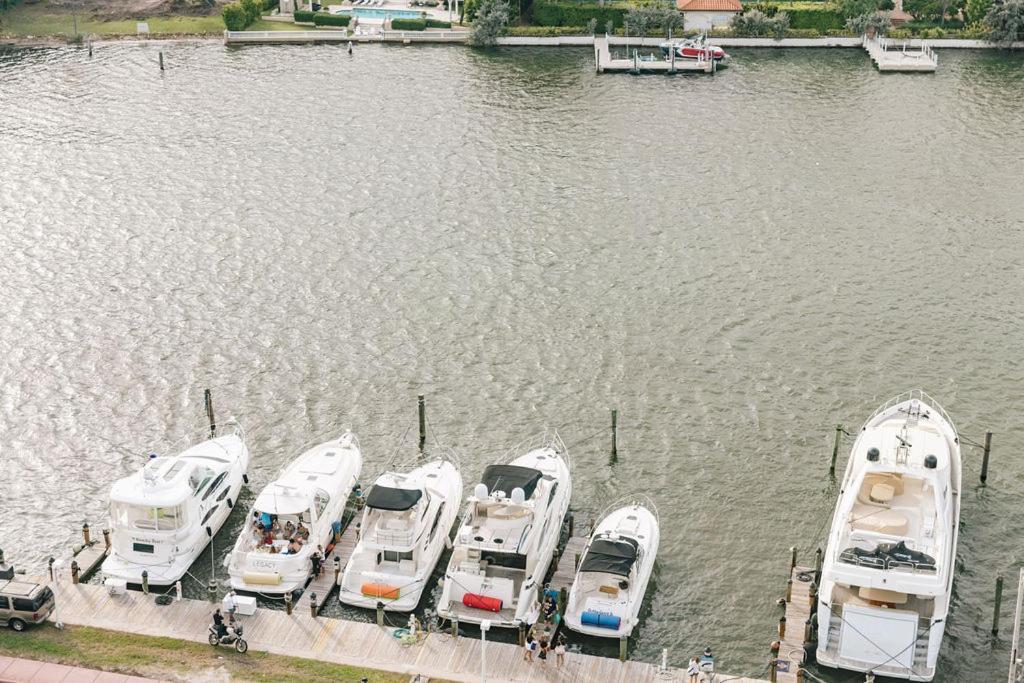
pixel 438 655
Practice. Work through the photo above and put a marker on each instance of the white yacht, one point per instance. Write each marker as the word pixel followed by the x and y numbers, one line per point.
pixel 616 567
pixel 164 515
pixel 272 554
pixel 507 538
pixel 403 531
pixel 887 574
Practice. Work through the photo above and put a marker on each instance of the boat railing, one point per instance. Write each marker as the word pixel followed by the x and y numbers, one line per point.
pixel 403 537
pixel 913 394
pixel 887 563
pixel 641 499
pixel 545 439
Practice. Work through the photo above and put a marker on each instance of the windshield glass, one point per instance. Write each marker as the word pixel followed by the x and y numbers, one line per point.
pixel 128 516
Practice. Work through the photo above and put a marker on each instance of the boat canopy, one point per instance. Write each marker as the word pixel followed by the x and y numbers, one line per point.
pixel 507 477
pixel 610 556
pixel 276 500
pixel 397 500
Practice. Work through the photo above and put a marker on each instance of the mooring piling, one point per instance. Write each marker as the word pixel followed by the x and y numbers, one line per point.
pixel 106 539
pixel 995 609
pixel 74 572
pixel 835 450
pixel 782 627
pixel 623 643
pixel 455 626
pixel 211 589
pixel 817 566
pixel 145 582
pixel 380 613
pixel 177 590
pixel 792 558
pixel 984 457
pixel 288 602
pixel 207 396
pixel 161 60
pixel 49 564
pixel 615 435
pixel 423 420
pixel 86 534
pixel 312 605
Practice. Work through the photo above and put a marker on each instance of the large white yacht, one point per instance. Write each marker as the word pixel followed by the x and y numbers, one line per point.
pixel 612 578
pixel 507 538
pixel 887 574
pixel 164 515
pixel 403 531
pixel 292 516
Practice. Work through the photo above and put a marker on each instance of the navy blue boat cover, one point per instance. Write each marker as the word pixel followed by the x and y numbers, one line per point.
pixel 610 556
pixel 507 477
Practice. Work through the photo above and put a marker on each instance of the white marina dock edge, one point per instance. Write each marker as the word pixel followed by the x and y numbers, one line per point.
pixel 438 655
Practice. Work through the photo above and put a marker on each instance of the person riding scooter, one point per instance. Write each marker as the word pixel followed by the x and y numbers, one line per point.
pixel 218 623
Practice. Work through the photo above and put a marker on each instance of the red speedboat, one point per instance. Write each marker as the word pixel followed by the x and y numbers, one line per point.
pixel 694 48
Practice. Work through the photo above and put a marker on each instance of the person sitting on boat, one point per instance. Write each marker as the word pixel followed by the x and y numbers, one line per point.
pixel 289 529
pixel 257 536
pixel 275 528
pixel 294 546
pixel 268 537
pixel 302 533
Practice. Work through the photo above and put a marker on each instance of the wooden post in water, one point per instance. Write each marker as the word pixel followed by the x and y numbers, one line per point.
pixel 50 565
pixel 789 590
pixel 455 626
pixel 782 627
pixel 563 598
pixel 288 602
pixel 85 533
pixel 792 558
pixel 312 605
pixel 380 614
pixel 817 565
pixel 211 589
pixel 999 601
pixel 835 450
pixel 74 572
pixel 161 60
pixel 521 635
pixel 207 397
pixel 337 569
pixel 623 642
pixel 423 420
pixel 106 539
pixel 615 435
pixel 984 457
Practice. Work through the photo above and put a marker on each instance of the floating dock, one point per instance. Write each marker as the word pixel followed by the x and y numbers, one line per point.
pixel 300 634
pixel 889 55
pixel 636 65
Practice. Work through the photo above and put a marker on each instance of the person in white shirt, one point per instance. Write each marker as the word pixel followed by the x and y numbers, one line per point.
pixel 229 603
pixel 693 670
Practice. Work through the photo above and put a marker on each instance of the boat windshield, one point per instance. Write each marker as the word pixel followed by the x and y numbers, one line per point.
pixel 128 516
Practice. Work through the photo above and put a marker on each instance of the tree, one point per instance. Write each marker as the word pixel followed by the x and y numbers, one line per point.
pixel 866 23
pixel 976 10
pixel 637 20
pixel 1005 21
pixel 592 26
pixel 757 24
pixel 490 22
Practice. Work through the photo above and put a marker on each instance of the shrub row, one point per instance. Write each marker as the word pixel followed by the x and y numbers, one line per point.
pixel 434 23
pixel 323 19
pixel 546 31
pixel 301 17
pixel 822 18
pixel 561 13
pixel 409 24
pixel 238 15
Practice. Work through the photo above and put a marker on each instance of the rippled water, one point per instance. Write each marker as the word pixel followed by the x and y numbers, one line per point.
pixel 735 262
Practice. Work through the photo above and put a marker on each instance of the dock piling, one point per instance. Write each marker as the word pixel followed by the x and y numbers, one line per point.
pixel 177 590
pixel 50 566
pixel 74 572
pixel 380 613
pixel 145 582
pixel 623 642
pixel 161 60
pixel 312 605
pixel 86 534
pixel 423 420
pixel 455 626
pixel 106 539
pixel 782 627
pixel 817 566
pixel 792 558
pixel 337 569
pixel 211 589
pixel 789 589
pixel 984 457
pixel 288 602
pixel 835 450
pixel 615 435
pixel 350 47
pixel 577 561
pixel 2 557
pixel 207 397
pixel 999 601
pixel 521 635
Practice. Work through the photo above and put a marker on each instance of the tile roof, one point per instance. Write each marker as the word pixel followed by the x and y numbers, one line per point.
pixel 709 5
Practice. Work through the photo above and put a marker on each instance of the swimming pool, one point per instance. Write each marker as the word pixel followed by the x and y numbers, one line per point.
pixel 381 13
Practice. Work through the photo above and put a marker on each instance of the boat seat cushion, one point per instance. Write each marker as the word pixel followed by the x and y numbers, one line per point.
pixel 882 493
pixel 881 521
pixel 882 595
pixel 610 590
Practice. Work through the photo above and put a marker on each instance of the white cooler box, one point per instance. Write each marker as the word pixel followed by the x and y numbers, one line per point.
pixel 245 605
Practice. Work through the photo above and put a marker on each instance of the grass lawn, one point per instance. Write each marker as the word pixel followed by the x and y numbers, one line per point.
pixel 148 656
pixel 39 20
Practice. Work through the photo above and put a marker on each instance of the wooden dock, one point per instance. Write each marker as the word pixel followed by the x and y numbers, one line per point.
pixel 889 55
pixel 89 558
pixel 636 64
pixel 798 611
pixel 565 570
pixel 437 655
pixel 325 584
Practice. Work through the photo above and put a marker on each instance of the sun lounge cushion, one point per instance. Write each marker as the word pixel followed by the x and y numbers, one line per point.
pixel 882 521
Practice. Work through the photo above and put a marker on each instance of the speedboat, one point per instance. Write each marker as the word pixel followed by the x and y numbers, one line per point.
pixel 694 48
pixel 616 567
pixel 887 574
pixel 404 529
pixel 293 517
pixel 163 516
pixel 507 538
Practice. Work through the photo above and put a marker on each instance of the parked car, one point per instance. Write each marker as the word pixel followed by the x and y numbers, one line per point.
pixel 23 603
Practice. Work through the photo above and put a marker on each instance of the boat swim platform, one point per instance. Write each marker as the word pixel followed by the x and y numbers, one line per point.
pixel 437 655
pixel 607 64
pixel 890 55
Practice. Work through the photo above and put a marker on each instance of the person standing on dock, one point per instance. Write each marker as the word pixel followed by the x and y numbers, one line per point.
pixel 317 558
pixel 693 670
pixel 229 603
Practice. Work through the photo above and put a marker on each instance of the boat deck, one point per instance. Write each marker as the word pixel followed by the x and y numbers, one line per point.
pixel 299 634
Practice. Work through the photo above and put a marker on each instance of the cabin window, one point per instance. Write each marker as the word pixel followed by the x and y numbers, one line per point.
pixel 321 500
pixel 395 556
pixel 143 548
pixel 551 495
pixel 437 519
pixel 199 478
pixel 214 485
pixel 127 516
pixel 209 514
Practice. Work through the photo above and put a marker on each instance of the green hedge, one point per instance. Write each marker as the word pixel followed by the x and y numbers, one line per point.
pixel 321 19
pixel 433 23
pixel 304 17
pixel 235 17
pixel 560 13
pixel 408 24
pixel 546 31
pixel 821 17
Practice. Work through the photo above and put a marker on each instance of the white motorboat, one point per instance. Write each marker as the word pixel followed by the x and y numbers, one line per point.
pixel 887 575
pixel 404 529
pixel 292 516
pixel 507 538
pixel 163 516
pixel 613 574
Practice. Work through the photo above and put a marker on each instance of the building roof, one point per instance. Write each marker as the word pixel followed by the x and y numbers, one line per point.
pixel 709 5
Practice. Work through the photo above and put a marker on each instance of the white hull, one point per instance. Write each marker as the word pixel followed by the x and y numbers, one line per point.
pixel 166 554
pixel 331 468
pixel 887 575
pixel 476 567
pixel 604 596
pixel 441 481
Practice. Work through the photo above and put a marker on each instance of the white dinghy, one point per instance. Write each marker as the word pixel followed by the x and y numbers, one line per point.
pixel 887 575
pixel 614 571
pixel 163 516
pixel 507 538
pixel 292 516
pixel 403 531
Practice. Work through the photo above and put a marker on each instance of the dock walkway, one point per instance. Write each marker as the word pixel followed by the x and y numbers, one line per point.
pixel 798 611
pixel 635 64
pixel 565 570
pixel 890 55
pixel 325 584
pixel 299 634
